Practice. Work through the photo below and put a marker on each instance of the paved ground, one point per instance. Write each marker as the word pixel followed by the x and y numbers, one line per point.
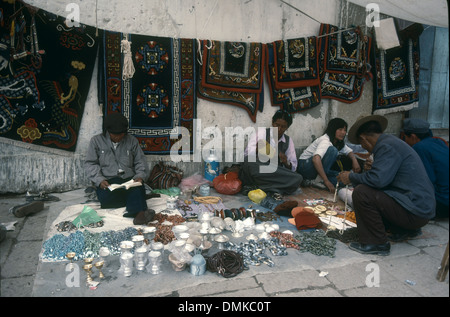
pixel 409 271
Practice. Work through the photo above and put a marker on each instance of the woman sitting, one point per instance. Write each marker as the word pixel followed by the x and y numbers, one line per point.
pixel 270 159
pixel 318 158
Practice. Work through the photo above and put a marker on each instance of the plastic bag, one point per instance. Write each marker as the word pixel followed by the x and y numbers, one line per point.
pixel 172 191
pixel 86 217
pixel 257 195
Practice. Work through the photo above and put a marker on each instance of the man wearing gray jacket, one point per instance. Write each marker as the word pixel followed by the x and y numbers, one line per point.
pixel 115 157
pixel 395 194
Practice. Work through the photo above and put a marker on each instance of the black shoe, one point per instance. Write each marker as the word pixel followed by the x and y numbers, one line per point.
pixel 144 217
pixel 399 237
pixel 26 209
pixel 378 249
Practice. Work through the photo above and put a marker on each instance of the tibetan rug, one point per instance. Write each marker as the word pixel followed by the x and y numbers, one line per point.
pixel 234 75
pixel 45 74
pixel 234 66
pixel 160 96
pixel 296 63
pixel 396 84
pixel 292 100
pixel 344 56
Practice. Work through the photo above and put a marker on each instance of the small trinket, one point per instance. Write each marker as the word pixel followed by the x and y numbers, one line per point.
pixel 99 266
pixel 204 190
pixel 70 256
pixel 140 258
pixel 88 269
pixel 198 265
pixel 154 266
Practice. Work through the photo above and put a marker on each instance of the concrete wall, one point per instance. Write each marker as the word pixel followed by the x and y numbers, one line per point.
pixel 29 168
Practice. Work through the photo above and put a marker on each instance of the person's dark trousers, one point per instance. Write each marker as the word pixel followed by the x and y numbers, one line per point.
pixel 133 199
pixel 377 212
pixel 282 180
pixel 441 210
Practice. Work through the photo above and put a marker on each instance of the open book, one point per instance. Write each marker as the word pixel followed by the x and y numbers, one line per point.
pixel 126 185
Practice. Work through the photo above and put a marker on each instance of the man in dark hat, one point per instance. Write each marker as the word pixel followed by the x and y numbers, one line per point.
pixel 115 157
pixel 395 194
pixel 434 153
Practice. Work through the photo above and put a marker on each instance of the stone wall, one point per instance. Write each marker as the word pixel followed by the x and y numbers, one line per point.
pixel 29 168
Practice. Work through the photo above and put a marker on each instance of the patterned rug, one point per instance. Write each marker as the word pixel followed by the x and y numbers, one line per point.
pixel 45 74
pixel 234 66
pixel 232 73
pixel 343 63
pixel 161 94
pixel 292 100
pixel 396 87
pixel 296 63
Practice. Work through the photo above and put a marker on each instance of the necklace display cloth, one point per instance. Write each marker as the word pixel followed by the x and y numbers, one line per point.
pixel 232 73
pixel 160 96
pixel 344 56
pixel 46 78
pixel 396 87
pixel 113 220
pixel 293 99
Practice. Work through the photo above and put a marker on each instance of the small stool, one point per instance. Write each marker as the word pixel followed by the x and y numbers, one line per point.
pixel 443 269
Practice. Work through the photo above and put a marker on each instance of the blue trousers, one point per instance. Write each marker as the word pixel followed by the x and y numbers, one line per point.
pixel 133 199
pixel 308 171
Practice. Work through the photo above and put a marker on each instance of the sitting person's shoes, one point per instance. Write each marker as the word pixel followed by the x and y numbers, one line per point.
pixel 377 249
pixel 317 183
pixel 27 209
pixel 144 217
pixel 403 236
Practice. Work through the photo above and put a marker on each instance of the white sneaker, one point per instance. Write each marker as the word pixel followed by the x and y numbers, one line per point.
pixel 318 183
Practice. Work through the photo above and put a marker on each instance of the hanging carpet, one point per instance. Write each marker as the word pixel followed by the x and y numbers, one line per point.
pixel 296 63
pixel 294 99
pixel 344 56
pixel 160 96
pixel 232 73
pixel 45 74
pixel 234 66
pixel 396 87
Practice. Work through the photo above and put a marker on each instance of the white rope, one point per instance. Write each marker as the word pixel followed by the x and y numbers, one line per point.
pixel 128 67
pixel 345 211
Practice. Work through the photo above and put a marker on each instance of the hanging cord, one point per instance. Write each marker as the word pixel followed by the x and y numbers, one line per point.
pixel 96 18
pixel 301 11
pixel 208 45
pixel 128 67
pixel 345 211
pixel 199 48
pixel 227 263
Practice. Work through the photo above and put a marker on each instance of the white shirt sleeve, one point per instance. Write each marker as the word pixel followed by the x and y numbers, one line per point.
pixel 291 155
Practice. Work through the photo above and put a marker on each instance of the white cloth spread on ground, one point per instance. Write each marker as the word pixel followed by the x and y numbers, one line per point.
pixel 113 219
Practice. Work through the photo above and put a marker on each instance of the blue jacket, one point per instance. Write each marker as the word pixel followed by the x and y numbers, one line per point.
pixel 435 157
pixel 398 171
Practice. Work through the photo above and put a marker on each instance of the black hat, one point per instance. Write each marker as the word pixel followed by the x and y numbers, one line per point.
pixel 115 123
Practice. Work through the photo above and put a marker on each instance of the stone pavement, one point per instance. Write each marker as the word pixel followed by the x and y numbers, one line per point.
pixel 410 270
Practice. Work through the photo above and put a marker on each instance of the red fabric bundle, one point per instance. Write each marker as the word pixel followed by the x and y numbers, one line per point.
pixel 228 184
